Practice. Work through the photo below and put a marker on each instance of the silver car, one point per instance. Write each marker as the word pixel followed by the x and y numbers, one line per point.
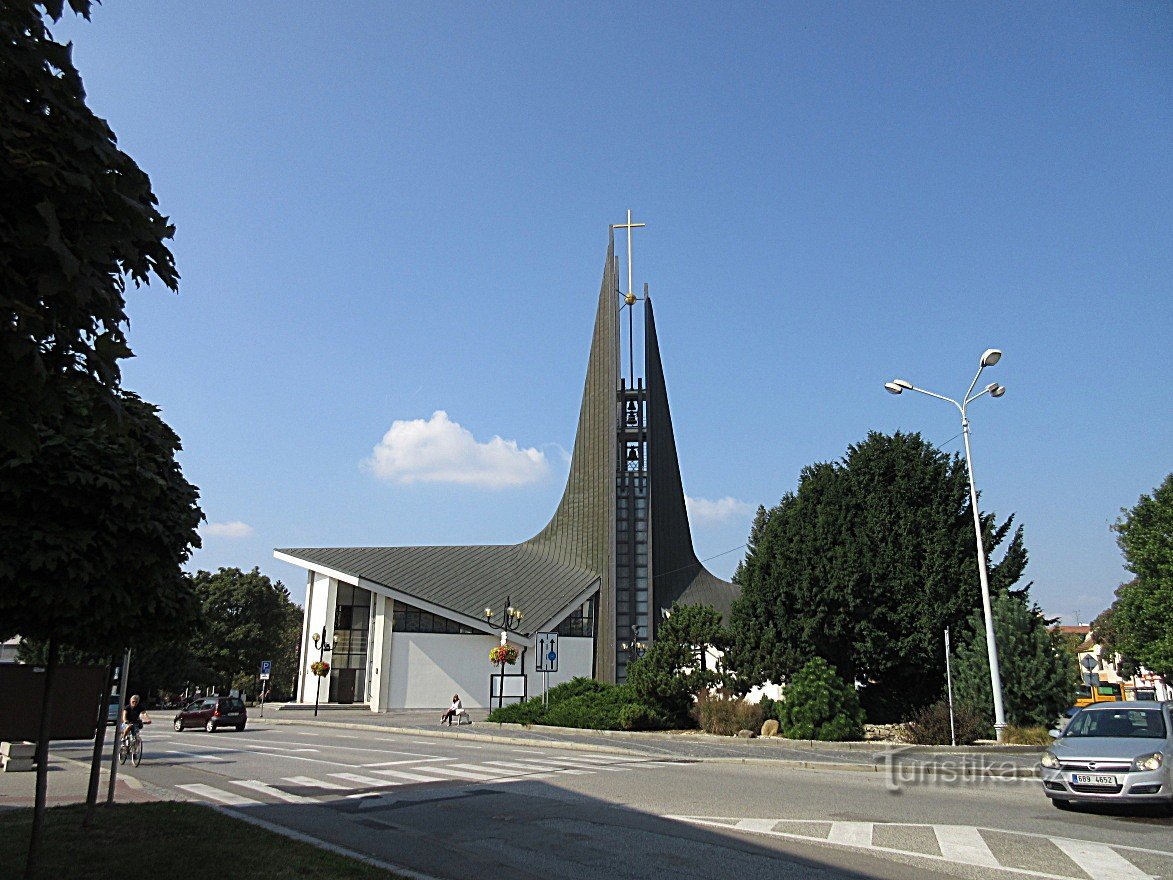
pixel 1113 753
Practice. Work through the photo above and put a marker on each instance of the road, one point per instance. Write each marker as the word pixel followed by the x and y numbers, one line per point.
pixel 449 808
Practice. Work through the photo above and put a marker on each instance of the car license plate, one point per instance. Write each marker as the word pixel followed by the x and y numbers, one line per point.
pixel 1092 779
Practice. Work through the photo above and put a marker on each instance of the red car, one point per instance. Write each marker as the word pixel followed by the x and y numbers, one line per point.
pixel 211 713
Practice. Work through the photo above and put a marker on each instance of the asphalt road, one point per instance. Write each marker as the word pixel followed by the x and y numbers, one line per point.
pixel 452 808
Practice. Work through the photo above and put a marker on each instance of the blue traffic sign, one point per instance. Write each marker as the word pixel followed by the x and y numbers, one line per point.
pixel 552 656
pixel 266 667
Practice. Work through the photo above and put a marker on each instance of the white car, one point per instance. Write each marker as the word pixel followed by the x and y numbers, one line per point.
pixel 1113 753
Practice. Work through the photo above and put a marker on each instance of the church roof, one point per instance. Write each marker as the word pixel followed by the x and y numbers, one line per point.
pixel 463 579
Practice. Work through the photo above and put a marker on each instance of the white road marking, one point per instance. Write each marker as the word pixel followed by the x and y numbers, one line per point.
pixel 215 794
pixel 193 755
pixel 409 777
pixel 465 774
pixel 501 772
pixel 272 791
pixel 1098 861
pixel 759 825
pixel 531 751
pixel 404 761
pixel 311 782
pixel 851 833
pixel 365 780
pixel 577 762
pixel 538 767
pixel 960 843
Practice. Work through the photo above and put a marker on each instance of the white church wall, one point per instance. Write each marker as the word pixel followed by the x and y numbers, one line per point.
pixel 575 658
pixel 428 668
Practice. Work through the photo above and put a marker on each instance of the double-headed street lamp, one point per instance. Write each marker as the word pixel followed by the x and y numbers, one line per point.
pixel 323 646
pixel 898 386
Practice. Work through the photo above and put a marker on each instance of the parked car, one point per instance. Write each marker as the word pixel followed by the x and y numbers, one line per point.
pixel 211 713
pixel 1120 753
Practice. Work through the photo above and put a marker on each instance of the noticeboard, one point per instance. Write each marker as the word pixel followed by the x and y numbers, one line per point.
pixel 77 693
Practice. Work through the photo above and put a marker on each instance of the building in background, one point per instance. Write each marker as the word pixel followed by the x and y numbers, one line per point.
pixel 407 626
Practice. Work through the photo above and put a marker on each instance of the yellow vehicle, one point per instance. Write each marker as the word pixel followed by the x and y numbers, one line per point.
pixel 1098 693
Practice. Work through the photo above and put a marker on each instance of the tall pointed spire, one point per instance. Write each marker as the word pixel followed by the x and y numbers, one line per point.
pixel 582 530
pixel 676 574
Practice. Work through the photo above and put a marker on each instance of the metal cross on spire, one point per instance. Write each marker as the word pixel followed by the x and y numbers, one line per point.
pixel 629 299
pixel 630 296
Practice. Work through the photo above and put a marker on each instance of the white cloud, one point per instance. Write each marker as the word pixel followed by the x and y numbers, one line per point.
pixel 704 512
pixel 439 450
pixel 234 529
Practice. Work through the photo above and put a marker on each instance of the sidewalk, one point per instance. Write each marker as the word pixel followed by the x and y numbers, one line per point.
pixel 689 745
pixel 69 779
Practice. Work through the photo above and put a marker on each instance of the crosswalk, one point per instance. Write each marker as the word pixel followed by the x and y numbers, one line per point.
pixel 1019 853
pixel 376 779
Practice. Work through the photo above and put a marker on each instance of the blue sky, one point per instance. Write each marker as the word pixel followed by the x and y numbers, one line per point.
pixel 391 210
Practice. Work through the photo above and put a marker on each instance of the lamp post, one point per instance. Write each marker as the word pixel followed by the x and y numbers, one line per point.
pixel 323 646
pixel 897 386
pixel 634 648
pixel 510 622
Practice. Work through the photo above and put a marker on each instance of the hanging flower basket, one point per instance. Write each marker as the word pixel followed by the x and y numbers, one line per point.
pixel 320 668
pixel 503 654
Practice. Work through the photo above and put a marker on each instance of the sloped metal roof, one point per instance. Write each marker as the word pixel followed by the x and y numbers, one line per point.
pixel 463 579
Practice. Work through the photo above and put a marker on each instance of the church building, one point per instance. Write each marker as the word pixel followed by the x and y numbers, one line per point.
pixel 407 627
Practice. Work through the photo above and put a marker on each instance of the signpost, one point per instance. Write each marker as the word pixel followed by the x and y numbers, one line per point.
pixel 1089 663
pixel 547 660
pixel 266 669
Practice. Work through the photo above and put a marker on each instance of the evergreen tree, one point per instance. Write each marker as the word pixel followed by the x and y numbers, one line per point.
pixel 673 670
pixel 1035 664
pixel 865 565
pixel 818 704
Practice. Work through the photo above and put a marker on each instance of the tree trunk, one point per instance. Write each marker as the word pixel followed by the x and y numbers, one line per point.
pixel 30 868
pixel 99 743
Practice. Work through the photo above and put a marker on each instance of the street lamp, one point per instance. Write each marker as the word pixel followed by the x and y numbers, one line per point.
pixel 990 357
pixel 510 618
pixel 634 648
pixel 510 622
pixel 323 646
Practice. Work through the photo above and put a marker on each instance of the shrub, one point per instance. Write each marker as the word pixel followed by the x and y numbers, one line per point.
pixel 819 705
pixel 771 708
pixel 525 712
pixel 723 715
pixel 640 716
pixel 930 726
pixel 1026 736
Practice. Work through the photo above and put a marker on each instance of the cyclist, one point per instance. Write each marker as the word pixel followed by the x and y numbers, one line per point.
pixel 134 716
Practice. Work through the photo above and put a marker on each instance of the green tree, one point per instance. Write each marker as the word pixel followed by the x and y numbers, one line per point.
pixel 95 524
pixel 1142 626
pixel 674 669
pixel 77 218
pixel 818 704
pixel 1035 663
pixel 96 519
pixel 247 618
pixel 865 565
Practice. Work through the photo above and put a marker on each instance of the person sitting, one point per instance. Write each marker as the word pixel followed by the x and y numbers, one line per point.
pixel 455 709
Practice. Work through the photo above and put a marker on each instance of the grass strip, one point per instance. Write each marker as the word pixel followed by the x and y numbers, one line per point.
pixel 189 838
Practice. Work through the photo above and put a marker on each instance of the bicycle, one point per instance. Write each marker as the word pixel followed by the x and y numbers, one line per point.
pixel 131 746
